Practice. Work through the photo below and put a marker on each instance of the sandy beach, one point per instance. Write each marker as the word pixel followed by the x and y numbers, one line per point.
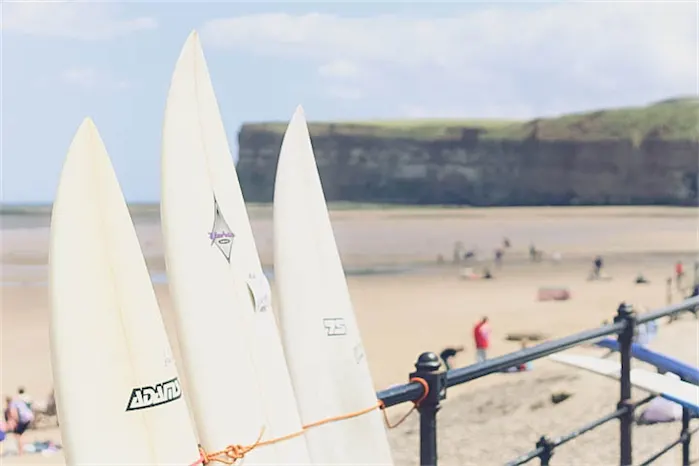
pixel 419 303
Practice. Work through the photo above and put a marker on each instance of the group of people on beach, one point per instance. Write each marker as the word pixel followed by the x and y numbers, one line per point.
pixel 535 255
pixel 18 417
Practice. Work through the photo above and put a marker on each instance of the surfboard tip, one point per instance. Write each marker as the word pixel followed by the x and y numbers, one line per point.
pixel 192 41
pixel 87 122
pixel 87 128
pixel 299 113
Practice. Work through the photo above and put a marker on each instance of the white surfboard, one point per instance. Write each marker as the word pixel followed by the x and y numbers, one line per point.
pixel 321 339
pixel 118 392
pixel 680 392
pixel 234 360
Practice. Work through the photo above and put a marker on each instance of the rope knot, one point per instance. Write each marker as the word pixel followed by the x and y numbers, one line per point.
pixel 237 452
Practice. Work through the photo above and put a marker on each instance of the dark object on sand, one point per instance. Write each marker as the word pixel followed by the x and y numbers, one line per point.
pixel 553 294
pixel 535 254
pixel 533 336
pixel 448 353
pixel 498 257
pixel 560 397
pixel 641 279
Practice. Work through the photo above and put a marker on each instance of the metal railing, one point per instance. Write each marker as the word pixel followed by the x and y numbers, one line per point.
pixel 428 368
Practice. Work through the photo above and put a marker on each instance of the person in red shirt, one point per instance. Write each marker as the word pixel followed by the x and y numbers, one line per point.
pixel 679 274
pixel 481 336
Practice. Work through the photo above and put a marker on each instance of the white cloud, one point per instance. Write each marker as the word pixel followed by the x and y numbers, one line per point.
pixel 90 78
pixel 542 59
pixel 340 69
pixel 75 20
pixel 344 92
pixel 343 80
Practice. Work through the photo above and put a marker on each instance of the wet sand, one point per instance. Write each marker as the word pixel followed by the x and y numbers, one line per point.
pixel 428 307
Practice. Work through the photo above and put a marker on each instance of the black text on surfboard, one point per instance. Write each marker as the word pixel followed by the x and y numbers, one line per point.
pixel 159 394
pixel 221 234
pixel 335 326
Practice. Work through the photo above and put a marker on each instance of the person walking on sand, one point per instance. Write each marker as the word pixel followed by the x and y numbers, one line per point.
pixel 597 268
pixel 679 274
pixel 481 337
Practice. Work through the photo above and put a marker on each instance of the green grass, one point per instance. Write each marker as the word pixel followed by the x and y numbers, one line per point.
pixel 674 119
pixel 411 129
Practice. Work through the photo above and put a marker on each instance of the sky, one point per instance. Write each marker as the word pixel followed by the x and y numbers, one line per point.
pixel 113 61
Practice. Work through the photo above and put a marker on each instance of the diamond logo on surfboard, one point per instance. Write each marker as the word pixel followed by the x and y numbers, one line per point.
pixel 221 234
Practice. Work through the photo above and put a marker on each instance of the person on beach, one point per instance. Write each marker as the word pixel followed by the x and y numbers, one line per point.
pixel 679 274
pixel 498 257
pixel 526 366
pixel 481 337
pixel 597 265
pixel 645 333
pixel 448 353
pixel 18 417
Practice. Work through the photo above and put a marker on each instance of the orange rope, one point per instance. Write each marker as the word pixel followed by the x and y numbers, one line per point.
pixel 416 404
pixel 233 453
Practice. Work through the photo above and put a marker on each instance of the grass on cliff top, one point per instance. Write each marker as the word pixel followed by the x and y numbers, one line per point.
pixel 410 129
pixel 674 119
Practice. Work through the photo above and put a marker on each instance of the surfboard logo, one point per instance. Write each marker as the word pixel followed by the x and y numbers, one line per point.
pixel 335 326
pixel 159 394
pixel 221 234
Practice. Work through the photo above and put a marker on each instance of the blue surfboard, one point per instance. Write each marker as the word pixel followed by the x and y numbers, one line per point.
pixel 665 363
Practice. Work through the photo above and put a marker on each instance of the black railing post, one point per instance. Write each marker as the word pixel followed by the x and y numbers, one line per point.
pixel 546 450
pixel 428 369
pixel 685 436
pixel 625 314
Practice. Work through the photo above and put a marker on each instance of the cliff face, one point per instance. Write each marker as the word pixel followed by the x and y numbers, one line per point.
pixel 472 166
